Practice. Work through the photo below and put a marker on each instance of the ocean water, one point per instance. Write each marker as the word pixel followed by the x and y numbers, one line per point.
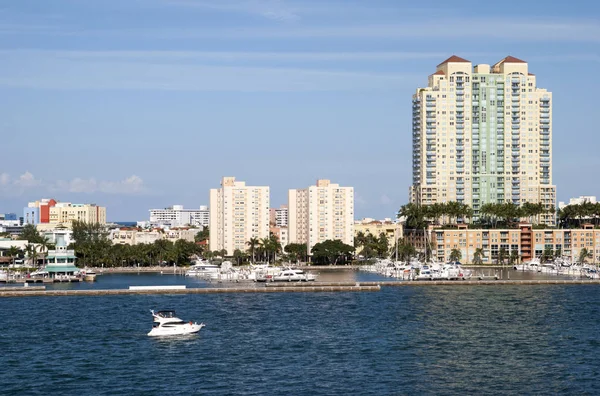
pixel 399 341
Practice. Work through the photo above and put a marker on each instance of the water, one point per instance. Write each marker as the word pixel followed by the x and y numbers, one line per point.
pixel 401 340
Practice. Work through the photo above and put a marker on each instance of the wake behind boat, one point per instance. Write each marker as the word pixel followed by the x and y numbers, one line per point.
pixel 167 324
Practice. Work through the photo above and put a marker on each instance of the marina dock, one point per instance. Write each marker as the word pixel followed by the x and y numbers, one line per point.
pixel 286 287
pixel 27 292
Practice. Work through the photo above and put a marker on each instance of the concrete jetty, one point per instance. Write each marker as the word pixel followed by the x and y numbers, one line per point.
pixel 498 282
pixel 289 287
pixel 209 290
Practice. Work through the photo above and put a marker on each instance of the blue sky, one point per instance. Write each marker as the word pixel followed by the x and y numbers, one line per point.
pixel 136 104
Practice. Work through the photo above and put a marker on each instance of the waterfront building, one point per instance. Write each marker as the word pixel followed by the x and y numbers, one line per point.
pixel 483 135
pixel 524 240
pixel 321 212
pixel 61 260
pixel 579 201
pixel 134 236
pixel 392 230
pixel 237 214
pixel 177 216
pixel 59 235
pixel 278 217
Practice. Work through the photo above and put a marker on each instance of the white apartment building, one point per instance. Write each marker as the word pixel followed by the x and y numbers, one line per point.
pixel 579 201
pixel 177 216
pixel 281 216
pixel 481 135
pixel 321 212
pixel 237 214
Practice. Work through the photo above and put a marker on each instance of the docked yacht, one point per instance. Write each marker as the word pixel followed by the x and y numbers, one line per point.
pixel 293 275
pixel 204 269
pixel 89 275
pixel 166 324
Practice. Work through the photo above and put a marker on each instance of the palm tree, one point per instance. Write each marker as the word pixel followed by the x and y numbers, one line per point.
pixel 32 253
pixel 455 255
pixel 502 255
pixel 513 257
pixel 478 256
pixel 13 252
pixel 44 245
pixel 253 244
pixel 583 254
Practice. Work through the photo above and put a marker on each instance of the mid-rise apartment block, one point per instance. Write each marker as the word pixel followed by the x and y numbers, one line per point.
pixel 177 216
pixel 65 213
pixel 237 214
pixel 279 216
pixel 524 241
pixel 482 134
pixel 48 213
pixel 321 212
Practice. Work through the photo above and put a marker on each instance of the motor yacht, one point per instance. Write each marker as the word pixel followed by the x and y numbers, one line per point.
pixel 89 275
pixel 293 275
pixel 204 269
pixel 166 324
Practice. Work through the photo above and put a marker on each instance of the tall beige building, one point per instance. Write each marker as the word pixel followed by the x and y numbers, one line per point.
pixel 481 135
pixel 237 214
pixel 321 212
pixel 65 213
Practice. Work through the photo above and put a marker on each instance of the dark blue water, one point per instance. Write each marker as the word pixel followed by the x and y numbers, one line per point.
pixel 403 340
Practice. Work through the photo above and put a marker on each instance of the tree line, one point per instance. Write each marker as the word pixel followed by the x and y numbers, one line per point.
pixel 490 214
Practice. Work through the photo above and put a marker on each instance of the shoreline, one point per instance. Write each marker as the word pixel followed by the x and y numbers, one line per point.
pixel 180 269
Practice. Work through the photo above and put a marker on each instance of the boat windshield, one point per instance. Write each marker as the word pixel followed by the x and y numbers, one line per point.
pixel 166 314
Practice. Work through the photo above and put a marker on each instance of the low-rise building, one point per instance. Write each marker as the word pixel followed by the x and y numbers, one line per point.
pixel 134 236
pixel 523 242
pixel 177 216
pixel 579 201
pixel 392 230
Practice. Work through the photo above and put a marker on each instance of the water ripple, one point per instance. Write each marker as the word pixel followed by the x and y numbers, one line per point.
pixel 412 340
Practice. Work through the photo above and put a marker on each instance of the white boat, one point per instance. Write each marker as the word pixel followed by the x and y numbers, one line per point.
pixel 89 275
pixel 204 269
pixel 293 275
pixel 40 274
pixel 167 324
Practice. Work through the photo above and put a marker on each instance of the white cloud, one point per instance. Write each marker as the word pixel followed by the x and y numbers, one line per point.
pixel 131 185
pixel 28 182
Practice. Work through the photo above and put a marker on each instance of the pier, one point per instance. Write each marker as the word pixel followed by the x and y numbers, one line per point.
pixel 283 287
pixel 27 292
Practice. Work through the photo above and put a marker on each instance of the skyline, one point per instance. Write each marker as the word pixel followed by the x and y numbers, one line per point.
pixel 135 105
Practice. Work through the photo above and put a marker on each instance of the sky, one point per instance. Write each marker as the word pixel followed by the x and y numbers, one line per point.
pixel 140 104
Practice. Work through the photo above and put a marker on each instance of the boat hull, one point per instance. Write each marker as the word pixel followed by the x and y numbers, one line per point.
pixel 175 331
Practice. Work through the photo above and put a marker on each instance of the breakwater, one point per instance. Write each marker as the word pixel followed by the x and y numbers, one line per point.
pixel 291 287
pixel 26 292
